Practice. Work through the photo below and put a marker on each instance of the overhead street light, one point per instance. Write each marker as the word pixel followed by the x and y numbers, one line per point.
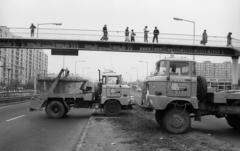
pixel 57 24
pixel 147 66
pixel 76 65
pixel 180 19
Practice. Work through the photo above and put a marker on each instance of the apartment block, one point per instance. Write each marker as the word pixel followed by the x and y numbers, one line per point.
pixel 20 64
pixel 221 71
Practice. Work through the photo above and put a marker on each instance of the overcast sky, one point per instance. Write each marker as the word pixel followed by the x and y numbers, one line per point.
pixel 218 17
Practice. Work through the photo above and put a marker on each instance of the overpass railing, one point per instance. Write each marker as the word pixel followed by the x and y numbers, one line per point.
pixel 119 36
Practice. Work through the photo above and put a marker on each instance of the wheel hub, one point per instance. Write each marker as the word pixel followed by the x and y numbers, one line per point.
pixel 176 121
pixel 55 109
pixel 111 108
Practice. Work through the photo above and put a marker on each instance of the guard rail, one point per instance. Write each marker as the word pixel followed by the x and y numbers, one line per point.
pixel 15 99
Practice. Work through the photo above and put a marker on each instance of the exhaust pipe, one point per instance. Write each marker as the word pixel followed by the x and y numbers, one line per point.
pixel 99 73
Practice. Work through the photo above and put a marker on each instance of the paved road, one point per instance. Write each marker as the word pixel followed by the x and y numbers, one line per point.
pixel 218 128
pixel 21 130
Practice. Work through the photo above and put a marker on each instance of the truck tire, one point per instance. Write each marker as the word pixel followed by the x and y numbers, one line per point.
pixel 159 117
pixel 176 121
pixel 233 121
pixel 55 109
pixel 112 108
pixel 201 88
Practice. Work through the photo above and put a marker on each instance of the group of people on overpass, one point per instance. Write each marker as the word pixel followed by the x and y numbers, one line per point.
pixel 155 36
pixel 133 34
pixel 145 30
pixel 205 37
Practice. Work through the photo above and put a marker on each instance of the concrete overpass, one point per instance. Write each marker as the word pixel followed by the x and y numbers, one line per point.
pixel 70 41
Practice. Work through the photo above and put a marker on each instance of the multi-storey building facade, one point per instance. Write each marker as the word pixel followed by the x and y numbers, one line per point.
pixel 215 70
pixel 20 64
pixel 218 75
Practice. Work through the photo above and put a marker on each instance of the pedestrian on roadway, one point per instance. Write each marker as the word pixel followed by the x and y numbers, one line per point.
pixel 145 34
pixel 32 27
pixel 229 39
pixel 204 38
pixel 132 36
pixel 155 34
pixel 105 33
pixel 127 35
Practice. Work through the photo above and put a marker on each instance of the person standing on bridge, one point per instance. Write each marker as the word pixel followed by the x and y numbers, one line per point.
pixel 204 38
pixel 145 34
pixel 155 34
pixel 105 33
pixel 127 35
pixel 32 27
pixel 229 39
pixel 132 36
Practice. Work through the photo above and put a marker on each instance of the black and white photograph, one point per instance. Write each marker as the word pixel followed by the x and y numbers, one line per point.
pixel 119 75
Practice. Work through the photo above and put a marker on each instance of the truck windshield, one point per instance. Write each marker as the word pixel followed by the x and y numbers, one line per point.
pixel 112 80
pixel 160 68
pixel 179 68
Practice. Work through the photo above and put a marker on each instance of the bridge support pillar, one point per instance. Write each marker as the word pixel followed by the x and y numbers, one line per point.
pixel 235 72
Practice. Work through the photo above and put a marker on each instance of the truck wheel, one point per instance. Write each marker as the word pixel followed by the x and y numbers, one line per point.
pixel 159 117
pixel 176 121
pixel 55 109
pixel 233 121
pixel 201 88
pixel 112 108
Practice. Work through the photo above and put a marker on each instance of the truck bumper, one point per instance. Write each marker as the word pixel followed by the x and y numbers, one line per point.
pixel 146 108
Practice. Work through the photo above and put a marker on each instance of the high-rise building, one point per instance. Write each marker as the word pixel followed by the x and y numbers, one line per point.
pixel 20 64
pixel 215 70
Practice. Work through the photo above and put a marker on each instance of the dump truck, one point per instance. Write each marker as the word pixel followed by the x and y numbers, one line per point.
pixel 64 93
pixel 175 93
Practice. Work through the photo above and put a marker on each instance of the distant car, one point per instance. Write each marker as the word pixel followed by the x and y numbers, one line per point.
pixel 139 90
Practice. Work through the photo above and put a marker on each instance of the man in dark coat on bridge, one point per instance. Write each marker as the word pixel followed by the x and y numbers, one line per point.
pixel 105 33
pixel 155 34
pixel 32 27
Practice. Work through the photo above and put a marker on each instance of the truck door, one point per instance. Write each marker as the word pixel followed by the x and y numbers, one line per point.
pixel 113 86
pixel 179 83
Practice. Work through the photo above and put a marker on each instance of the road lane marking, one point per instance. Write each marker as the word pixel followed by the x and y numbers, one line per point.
pixel 14 118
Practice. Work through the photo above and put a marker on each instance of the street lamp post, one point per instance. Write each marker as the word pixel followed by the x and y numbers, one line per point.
pixel 76 65
pixel 57 24
pixel 147 66
pixel 179 19
pixel 137 74
pixel 83 71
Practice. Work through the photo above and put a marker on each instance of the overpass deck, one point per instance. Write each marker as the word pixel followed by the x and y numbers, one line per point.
pixel 68 41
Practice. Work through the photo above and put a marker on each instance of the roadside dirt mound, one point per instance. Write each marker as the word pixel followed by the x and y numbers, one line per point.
pixel 136 130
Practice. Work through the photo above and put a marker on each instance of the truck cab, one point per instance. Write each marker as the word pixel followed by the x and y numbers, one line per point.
pixel 172 92
pixel 114 94
pixel 175 92
pixel 173 80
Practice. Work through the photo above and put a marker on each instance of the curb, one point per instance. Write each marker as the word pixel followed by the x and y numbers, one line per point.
pixel 80 143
